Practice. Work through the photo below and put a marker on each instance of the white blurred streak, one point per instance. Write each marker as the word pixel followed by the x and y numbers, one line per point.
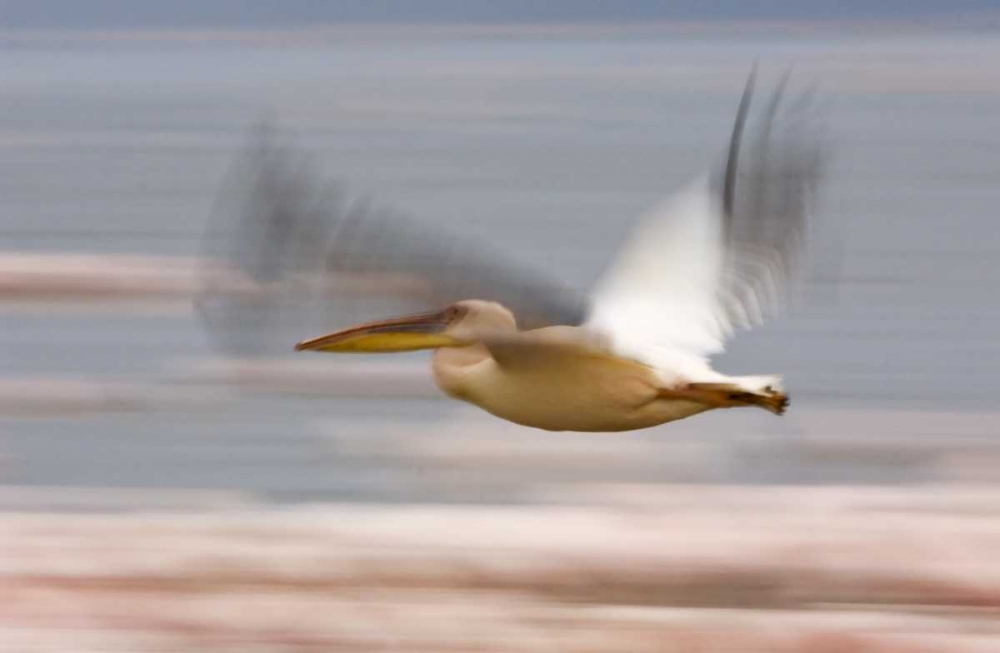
pixel 52 397
pixel 97 277
pixel 14 498
pixel 777 569
pixel 80 277
pixel 305 377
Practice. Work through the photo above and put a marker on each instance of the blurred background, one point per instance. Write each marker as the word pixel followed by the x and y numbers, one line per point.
pixel 159 496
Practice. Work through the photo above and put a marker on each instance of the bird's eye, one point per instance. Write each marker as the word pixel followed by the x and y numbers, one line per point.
pixel 455 313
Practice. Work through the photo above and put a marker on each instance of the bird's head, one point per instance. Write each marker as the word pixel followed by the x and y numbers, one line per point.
pixel 459 325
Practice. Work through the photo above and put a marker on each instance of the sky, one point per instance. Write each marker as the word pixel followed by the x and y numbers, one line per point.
pixel 153 14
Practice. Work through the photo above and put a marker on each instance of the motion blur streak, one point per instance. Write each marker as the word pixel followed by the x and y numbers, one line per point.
pixel 158 495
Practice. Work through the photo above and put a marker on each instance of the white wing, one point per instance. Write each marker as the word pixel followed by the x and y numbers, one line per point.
pixel 720 254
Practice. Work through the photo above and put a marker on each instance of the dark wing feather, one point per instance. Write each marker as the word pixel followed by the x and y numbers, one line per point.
pixel 289 256
pixel 767 190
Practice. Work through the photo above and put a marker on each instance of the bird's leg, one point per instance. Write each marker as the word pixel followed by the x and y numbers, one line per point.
pixel 730 395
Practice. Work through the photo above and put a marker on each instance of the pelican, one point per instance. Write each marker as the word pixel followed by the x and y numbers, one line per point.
pixel 718 255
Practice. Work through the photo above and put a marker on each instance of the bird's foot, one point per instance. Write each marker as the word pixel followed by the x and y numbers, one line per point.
pixel 729 395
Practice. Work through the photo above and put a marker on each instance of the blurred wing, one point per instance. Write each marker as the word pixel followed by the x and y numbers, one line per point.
pixel 721 253
pixel 289 256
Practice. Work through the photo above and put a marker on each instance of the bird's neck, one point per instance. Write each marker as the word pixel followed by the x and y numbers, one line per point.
pixel 455 367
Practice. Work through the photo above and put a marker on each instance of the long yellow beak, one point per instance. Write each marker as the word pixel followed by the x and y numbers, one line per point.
pixel 408 333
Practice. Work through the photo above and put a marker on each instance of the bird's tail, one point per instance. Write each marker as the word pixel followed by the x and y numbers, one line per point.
pixel 763 391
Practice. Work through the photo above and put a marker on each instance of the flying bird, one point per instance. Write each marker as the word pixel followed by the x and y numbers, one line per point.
pixel 719 255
